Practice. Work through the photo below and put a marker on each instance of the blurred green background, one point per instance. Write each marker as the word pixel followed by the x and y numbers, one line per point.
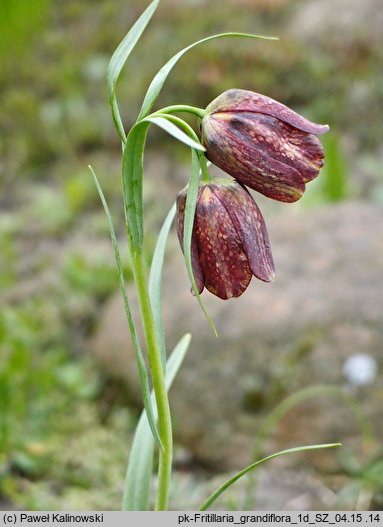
pixel 65 426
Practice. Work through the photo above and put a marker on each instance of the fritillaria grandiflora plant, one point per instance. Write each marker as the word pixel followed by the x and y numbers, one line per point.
pixel 260 144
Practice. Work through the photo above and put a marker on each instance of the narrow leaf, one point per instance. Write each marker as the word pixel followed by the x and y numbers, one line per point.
pixel 173 130
pixel 183 125
pixel 190 207
pixel 143 374
pixel 159 80
pixel 155 289
pixel 119 58
pixel 132 172
pixel 132 168
pixel 232 480
pixel 303 395
pixel 139 473
pixel 334 176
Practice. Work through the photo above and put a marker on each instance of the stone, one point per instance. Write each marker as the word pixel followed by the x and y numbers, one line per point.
pixel 325 305
pixel 340 21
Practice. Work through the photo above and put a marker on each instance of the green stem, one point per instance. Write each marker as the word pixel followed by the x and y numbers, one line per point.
pixel 204 170
pixel 158 380
pixel 189 130
pixel 199 112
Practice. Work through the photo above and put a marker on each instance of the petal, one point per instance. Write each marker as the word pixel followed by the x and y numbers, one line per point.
pixel 233 145
pixel 250 226
pixel 313 153
pixel 223 261
pixel 236 100
pixel 198 276
pixel 284 143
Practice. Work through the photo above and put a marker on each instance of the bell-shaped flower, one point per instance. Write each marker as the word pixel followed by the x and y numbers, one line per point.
pixel 262 143
pixel 230 243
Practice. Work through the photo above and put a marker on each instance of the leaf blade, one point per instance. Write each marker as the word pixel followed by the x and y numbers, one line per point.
pixel 190 208
pixel 143 374
pixel 119 58
pixel 139 473
pixel 173 130
pixel 302 395
pixel 237 476
pixel 132 175
pixel 160 78
pixel 155 287
pixel 132 169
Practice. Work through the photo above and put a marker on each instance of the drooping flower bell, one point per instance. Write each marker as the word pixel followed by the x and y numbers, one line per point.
pixel 262 143
pixel 229 241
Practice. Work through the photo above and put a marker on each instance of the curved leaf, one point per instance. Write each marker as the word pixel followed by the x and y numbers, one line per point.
pixel 139 473
pixel 132 172
pixel 190 207
pixel 232 480
pixel 159 80
pixel 172 129
pixel 118 60
pixel 155 289
pixel 181 124
pixel 143 374
pixel 304 395
pixel 132 168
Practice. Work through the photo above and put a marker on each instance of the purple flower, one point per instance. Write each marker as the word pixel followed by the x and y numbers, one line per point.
pixel 229 242
pixel 262 143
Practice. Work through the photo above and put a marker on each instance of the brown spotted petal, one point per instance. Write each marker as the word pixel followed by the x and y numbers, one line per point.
pixel 229 238
pixel 262 143
pixel 198 277
pixel 250 226
pixel 236 100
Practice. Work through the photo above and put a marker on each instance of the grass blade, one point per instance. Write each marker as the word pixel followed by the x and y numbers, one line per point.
pixel 174 131
pixel 143 374
pixel 334 175
pixel 159 80
pixel 303 395
pixel 190 206
pixel 132 172
pixel 155 289
pixel 132 168
pixel 118 60
pixel 139 473
pixel 237 476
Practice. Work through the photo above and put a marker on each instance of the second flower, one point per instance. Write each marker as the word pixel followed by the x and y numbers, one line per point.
pixel 230 241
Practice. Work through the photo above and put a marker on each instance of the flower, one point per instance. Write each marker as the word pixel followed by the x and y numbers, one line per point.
pixel 262 143
pixel 229 241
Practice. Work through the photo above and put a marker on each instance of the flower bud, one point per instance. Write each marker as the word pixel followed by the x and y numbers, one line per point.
pixel 229 241
pixel 262 143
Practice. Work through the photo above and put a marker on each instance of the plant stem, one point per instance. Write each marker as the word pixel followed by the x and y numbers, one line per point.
pixel 158 380
pixel 199 112
pixel 204 170
pixel 185 126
